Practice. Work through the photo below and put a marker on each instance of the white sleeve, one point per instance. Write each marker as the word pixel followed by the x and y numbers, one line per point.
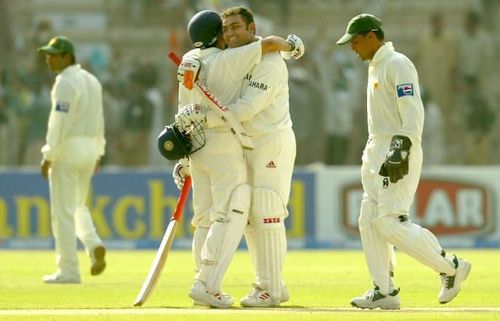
pixel 62 98
pixel 409 102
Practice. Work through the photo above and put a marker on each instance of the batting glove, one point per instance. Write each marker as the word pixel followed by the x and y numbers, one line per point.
pixel 187 72
pixel 192 114
pixel 180 171
pixel 396 162
pixel 297 46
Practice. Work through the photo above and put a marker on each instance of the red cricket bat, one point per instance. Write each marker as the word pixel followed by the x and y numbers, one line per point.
pixel 224 113
pixel 166 243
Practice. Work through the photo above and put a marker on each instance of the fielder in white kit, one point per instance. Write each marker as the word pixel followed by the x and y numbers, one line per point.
pixel 221 194
pixel 392 162
pixel 74 144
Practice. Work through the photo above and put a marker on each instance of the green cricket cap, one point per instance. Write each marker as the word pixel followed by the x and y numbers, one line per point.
pixel 361 23
pixel 58 45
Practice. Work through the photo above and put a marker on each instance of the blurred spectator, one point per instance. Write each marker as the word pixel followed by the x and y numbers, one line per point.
pixel 134 141
pixel 114 105
pixel 475 56
pixel 432 137
pixel 479 122
pixel 305 111
pixel 437 54
pixel 36 118
pixel 3 119
pixel 42 33
pixel 475 62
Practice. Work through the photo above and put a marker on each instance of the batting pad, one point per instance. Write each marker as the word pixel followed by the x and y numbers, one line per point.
pixel 267 207
pixel 199 237
pixel 266 239
pixel 270 250
pixel 223 238
pixel 414 240
pixel 379 254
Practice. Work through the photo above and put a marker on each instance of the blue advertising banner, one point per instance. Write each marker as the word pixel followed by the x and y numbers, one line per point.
pixel 131 209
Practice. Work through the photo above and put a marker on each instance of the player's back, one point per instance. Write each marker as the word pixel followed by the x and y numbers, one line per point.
pixel 222 71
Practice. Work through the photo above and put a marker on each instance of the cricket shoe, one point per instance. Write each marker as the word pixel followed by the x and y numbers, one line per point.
pixel 373 299
pixel 450 284
pixel 57 278
pixel 259 298
pixel 97 262
pixel 201 296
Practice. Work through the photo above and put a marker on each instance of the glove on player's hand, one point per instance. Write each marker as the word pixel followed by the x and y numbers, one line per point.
pixel 192 114
pixel 181 170
pixel 297 50
pixel 396 161
pixel 187 72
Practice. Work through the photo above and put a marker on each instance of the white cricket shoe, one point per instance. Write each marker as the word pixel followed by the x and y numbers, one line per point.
pixel 57 278
pixel 97 262
pixel 450 284
pixel 200 296
pixel 259 298
pixel 373 299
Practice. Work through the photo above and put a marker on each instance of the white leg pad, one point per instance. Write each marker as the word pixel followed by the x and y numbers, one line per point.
pixel 199 237
pixel 223 238
pixel 379 254
pixel 250 239
pixel 268 245
pixel 414 240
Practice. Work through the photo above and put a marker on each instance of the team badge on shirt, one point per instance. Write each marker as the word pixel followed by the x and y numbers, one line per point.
pixel 405 90
pixel 62 106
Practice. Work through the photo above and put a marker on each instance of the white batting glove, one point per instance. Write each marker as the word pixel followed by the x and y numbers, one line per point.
pixel 180 171
pixel 297 46
pixel 192 114
pixel 187 72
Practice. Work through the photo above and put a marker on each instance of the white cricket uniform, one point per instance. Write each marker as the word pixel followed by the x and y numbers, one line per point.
pixel 219 166
pixel 218 170
pixel 264 111
pixel 74 142
pixel 394 107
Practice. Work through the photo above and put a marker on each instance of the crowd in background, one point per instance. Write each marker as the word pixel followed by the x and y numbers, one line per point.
pixel 458 71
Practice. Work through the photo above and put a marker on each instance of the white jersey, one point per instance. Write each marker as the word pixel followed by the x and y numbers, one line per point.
pixel 76 112
pixel 393 96
pixel 263 107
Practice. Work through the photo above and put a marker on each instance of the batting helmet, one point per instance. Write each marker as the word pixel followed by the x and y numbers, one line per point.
pixel 175 143
pixel 203 28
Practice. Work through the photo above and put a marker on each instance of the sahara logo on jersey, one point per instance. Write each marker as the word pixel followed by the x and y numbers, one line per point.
pixel 444 207
pixel 405 90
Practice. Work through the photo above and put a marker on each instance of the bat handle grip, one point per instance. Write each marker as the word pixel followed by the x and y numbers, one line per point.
pixel 182 198
pixel 175 58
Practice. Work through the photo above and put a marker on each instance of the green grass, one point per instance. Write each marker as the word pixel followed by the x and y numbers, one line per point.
pixel 321 284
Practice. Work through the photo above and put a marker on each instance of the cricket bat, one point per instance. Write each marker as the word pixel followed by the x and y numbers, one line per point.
pixel 166 243
pixel 224 113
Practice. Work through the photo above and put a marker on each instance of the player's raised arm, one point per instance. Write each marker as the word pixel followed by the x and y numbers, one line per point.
pixel 291 47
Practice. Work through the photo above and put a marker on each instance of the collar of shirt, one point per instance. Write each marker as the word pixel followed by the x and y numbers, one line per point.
pixel 382 52
pixel 71 68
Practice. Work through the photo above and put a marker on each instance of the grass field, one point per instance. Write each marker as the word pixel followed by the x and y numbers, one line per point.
pixel 321 284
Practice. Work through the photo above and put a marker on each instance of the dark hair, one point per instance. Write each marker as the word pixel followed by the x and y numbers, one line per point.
pixel 245 13
pixel 379 33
